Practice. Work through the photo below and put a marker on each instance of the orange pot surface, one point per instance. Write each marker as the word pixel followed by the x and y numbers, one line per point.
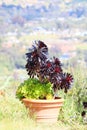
pixel 44 110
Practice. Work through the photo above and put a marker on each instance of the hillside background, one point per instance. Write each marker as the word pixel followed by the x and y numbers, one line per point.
pixel 61 24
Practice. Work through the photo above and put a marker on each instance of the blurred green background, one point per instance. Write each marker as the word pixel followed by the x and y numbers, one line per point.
pixel 62 25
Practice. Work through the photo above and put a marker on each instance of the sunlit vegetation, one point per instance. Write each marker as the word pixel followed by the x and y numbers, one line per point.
pixel 12 111
pixel 62 29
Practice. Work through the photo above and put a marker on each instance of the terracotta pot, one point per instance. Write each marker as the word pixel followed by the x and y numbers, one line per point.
pixel 44 110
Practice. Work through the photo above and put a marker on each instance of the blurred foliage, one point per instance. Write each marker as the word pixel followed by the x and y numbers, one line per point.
pixel 73 105
pixel 12 57
pixel 11 108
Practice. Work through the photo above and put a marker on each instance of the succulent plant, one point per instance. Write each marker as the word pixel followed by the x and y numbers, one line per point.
pixel 40 65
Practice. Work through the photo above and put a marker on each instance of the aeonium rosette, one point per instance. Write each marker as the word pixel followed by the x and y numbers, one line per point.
pixel 39 64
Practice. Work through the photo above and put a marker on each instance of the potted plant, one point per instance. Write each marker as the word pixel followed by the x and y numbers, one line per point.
pixel 40 91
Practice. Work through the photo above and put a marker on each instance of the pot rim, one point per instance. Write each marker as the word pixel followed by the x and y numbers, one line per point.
pixel 43 100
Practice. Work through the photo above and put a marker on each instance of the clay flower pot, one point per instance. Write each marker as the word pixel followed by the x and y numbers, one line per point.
pixel 44 110
pixel 46 77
